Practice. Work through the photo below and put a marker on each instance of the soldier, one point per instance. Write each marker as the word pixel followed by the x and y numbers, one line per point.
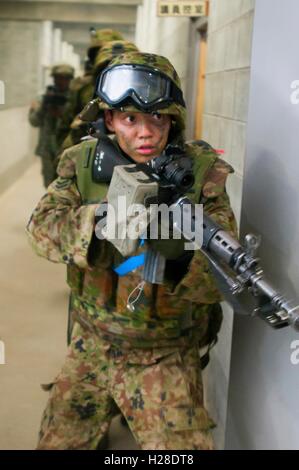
pixel 44 114
pixel 145 361
pixel 82 88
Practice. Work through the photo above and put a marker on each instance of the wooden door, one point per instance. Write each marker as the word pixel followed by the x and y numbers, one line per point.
pixel 201 77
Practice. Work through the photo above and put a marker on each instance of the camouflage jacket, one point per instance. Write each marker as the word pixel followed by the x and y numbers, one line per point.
pixel 46 117
pixel 61 229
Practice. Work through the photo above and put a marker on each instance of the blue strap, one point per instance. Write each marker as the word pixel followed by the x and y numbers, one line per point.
pixel 130 264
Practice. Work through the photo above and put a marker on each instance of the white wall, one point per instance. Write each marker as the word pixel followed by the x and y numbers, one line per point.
pixel 17 145
pixel 21 76
pixel 18 64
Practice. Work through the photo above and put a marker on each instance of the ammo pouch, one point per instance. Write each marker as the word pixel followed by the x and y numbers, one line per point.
pixel 91 191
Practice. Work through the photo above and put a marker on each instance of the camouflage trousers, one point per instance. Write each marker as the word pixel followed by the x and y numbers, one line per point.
pixel 159 391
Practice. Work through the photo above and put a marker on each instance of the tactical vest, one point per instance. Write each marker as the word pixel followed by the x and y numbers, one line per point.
pixel 101 295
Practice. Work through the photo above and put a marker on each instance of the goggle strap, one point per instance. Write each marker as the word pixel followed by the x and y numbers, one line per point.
pixel 177 95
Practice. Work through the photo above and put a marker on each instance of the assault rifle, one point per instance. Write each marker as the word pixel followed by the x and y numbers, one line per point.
pixel 53 98
pixel 236 266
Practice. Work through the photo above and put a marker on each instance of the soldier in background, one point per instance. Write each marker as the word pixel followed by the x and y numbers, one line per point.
pixel 79 128
pixel 82 87
pixel 45 112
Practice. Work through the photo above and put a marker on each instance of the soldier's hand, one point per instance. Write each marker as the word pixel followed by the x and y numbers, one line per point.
pixel 170 249
pixel 77 123
pixel 34 105
pixel 165 243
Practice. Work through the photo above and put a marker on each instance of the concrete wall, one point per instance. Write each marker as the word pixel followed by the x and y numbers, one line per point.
pixel 77 33
pixel 20 75
pixel 87 11
pixel 224 126
pixel 227 83
pixel 17 145
pixel 18 65
pixel 54 50
pixel 263 400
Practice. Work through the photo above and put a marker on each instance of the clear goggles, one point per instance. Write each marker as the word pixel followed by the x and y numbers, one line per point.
pixel 142 86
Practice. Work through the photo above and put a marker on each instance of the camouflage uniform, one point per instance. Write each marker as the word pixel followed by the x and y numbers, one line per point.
pixel 146 385
pixel 45 116
pixel 147 361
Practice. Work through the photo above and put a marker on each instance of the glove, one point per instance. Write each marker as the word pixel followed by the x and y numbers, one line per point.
pixel 171 248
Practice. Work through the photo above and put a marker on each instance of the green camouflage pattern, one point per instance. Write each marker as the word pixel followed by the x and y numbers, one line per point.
pixel 155 61
pixel 159 391
pixel 109 51
pixel 45 117
pixel 99 37
pixel 64 70
pixel 163 65
pixel 62 230
pixel 78 82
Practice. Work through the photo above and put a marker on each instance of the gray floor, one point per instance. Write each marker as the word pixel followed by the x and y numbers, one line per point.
pixel 33 306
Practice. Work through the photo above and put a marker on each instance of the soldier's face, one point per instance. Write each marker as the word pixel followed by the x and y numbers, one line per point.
pixel 142 136
pixel 62 83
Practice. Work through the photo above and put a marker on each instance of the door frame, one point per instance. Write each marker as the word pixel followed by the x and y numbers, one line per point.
pixel 198 30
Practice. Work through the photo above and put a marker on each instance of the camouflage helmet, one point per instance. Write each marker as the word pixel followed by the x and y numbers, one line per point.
pixel 109 51
pixel 161 64
pixel 63 70
pixel 98 37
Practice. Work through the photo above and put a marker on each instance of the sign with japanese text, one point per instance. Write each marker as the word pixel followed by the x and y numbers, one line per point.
pixel 182 7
